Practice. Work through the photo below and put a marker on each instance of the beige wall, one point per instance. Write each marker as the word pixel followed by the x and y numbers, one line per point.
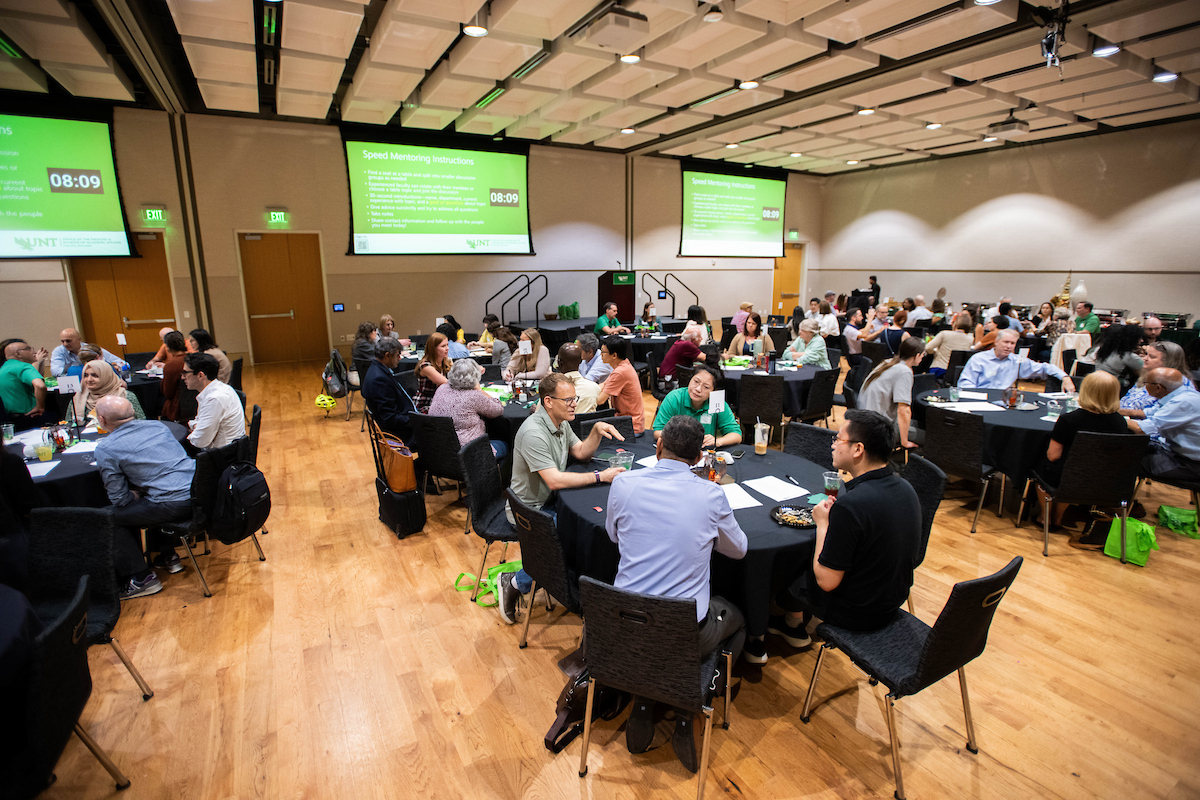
pixel 37 301
pixel 1120 210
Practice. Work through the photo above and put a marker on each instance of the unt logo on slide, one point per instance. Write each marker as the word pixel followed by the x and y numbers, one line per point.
pixel 474 243
pixel 30 244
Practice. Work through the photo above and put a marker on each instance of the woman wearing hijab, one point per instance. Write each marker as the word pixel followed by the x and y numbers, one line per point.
pixel 98 381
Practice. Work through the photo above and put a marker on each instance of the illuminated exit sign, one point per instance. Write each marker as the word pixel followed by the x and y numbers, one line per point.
pixel 154 217
pixel 279 217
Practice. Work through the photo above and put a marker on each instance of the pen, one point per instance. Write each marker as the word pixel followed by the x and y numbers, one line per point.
pixel 790 478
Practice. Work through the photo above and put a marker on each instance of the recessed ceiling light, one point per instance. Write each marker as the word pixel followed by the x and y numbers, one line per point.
pixel 986 2
pixel 750 84
pixel 852 162
pixel 631 58
pixel 932 126
pixel 713 14
pixel 1163 76
pixel 627 130
pixel 1105 49
pixel 866 112
pixel 989 138
pixel 477 31
pixel 797 155
pixel 731 146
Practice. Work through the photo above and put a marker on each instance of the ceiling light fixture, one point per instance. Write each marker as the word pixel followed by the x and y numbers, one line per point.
pixel 797 155
pixel 866 112
pixel 731 146
pixel 627 130
pixel 1163 76
pixel 713 14
pixel 750 84
pixel 477 27
pixel 1103 49
pixel 989 138
pixel 630 58
pixel 932 126
pixel 986 2
pixel 852 162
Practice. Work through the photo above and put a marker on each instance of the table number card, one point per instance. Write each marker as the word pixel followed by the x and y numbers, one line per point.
pixel 525 347
pixel 68 384
pixel 121 339
pixel 716 402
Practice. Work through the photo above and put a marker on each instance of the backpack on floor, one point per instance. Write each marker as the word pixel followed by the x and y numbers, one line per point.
pixel 572 706
pixel 336 376
pixel 242 505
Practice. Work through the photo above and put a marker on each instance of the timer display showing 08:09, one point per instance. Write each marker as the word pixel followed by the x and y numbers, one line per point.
pixel 75 181
pixel 504 197
pixel 770 213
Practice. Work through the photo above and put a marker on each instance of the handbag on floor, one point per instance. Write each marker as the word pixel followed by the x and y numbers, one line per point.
pixel 399 463
pixel 487 596
pixel 1180 520
pixel 1139 541
pixel 572 705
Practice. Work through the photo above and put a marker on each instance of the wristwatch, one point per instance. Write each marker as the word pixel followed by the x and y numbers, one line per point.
pixel 597 474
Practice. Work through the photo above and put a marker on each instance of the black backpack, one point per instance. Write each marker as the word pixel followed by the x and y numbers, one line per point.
pixel 243 503
pixel 572 705
pixel 336 376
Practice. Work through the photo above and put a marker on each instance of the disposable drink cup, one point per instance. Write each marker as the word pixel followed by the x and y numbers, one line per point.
pixel 44 452
pixel 833 483
pixel 762 435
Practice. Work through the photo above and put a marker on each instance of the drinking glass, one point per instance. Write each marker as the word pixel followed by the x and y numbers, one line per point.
pixel 8 432
pixel 954 395
pixel 833 483
pixel 1053 409
pixel 44 451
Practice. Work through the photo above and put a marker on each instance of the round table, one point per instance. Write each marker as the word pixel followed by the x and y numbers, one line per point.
pixel 775 553
pixel 76 480
pixel 796 381
pixel 1013 441
pixel 644 345
pixel 409 360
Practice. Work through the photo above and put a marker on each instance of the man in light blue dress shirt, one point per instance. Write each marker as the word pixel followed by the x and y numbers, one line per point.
pixel 1000 368
pixel 66 355
pixel 592 367
pixel 1176 418
pixel 666 522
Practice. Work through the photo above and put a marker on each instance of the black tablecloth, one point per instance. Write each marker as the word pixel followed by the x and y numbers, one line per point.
pixel 774 556
pixel 644 345
pixel 1013 441
pixel 504 427
pixel 76 480
pixel 795 387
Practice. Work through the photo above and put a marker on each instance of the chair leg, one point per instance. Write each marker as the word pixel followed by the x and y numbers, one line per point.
pixel 1137 489
pixel 1000 501
pixel 528 616
pixel 728 689
pixel 349 404
pixel 1124 520
pixel 192 556
pixel 258 547
pixel 910 604
pixel 890 707
pixel 972 745
pixel 587 727
pixel 812 687
pixel 982 494
pixel 467 523
pixel 207 549
pixel 1046 526
pixel 482 564
pixel 703 773
pixel 147 692
pixel 102 757
pixel 1021 507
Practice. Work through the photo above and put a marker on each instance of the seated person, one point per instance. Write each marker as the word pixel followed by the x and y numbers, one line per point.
pixel 487 337
pixel 1174 427
pixel 459 336
pixel 827 317
pixel 163 353
pixel 606 324
pixel 22 388
pixel 809 347
pixel 854 335
pixel 148 478
pixel 503 345
pixel 570 356
pixel 363 349
pixel 739 318
pixel 592 367
pixel 888 389
pixel 66 355
pixel 220 418
pixel 540 452
pixel 532 367
pixel 462 399
pixel 622 386
pixel 996 323
pixel 200 341
pixel 1099 393
pixel 1085 320
pixel 1000 368
pixel 172 375
pixel 1158 355
pixel 752 340
pixel 432 369
pixel 666 550
pixel 390 405
pixel 946 342
pixel 98 380
pixel 648 322
pixel 868 542
pixel 457 349
pixel 1118 354
pixel 720 429
pixel 685 350
pixel 697 316
pixel 894 333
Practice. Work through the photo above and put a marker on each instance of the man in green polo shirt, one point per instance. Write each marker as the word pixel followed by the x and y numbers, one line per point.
pixel 607 325
pixel 720 429
pixel 21 386
pixel 1085 320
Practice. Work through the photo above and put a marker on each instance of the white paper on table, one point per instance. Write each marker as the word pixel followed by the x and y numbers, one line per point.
pixel 760 372
pixel 525 347
pixel 774 488
pixel 648 461
pixel 739 497
pixel 965 395
pixel 716 401
pixel 1048 419
pixel 32 436
pixel 41 468
pixel 68 384
pixel 968 407
pixel 82 447
pixel 1057 395
pixel 733 369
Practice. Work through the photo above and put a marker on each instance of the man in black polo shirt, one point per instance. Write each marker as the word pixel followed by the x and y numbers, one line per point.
pixel 868 541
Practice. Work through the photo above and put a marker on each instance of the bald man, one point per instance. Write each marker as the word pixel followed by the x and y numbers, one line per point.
pixel 66 355
pixel 163 353
pixel 148 478
pixel 919 311
pixel 21 386
pixel 1173 425
pixel 570 356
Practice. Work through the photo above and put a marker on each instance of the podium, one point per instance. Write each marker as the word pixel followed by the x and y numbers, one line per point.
pixel 620 287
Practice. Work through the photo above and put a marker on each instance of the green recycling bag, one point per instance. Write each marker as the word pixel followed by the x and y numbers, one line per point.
pixel 1139 541
pixel 1180 520
pixel 488 585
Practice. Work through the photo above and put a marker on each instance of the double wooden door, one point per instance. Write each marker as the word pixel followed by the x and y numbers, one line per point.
pixel 285 296
pixel 787 281
pixel 130 296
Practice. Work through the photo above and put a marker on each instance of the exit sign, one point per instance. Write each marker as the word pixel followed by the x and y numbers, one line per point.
pixel 154 217
pixel 279 216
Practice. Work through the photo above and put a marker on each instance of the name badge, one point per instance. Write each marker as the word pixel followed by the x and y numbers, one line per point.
pixel 706 419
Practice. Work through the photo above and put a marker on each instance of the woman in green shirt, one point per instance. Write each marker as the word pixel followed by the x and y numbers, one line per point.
pixel 809 347
pixel 720 429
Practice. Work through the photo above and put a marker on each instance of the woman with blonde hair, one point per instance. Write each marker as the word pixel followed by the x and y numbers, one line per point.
pixel 1166 355
pixel 99 380
pixel 532 367
pixel 739 318
pixel 947 342
pixel 431 370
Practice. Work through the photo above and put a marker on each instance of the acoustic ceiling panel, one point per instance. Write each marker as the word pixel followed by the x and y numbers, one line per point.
pixel 223 20
pixel 327 27
pixel 1027 54
pixel 567 67
pixel 745 132
pixel 534 128
pixel 852 20
pixel 494 56
pixel 67 40
pixel 521 101
pixel 625 115
pixel 574 106
pixel 385 81
pixel 696 42
pixel 107 82
pixel 20 75
pixel 819 70
pixel 1160 46
pixel 411 41
pixel 781 11
pixel 451 10
pixel 443 88
pixel 292 103
pixel 309 71
pixel 685 88
pixel 969 20
pixel 428 117
pixel 230 62
pixel 622 81
pixel 675 122
pixel 479 121
pixel 1137 25
pixel 229 96
pixel 783 46
pixel 901 89
pixel 620 141
pixel 544 19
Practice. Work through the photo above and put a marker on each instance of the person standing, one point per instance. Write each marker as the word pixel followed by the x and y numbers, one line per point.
pixel 888 389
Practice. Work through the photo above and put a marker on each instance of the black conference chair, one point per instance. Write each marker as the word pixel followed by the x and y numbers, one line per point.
pixel 580 419
pixel 811 443
pixel 60 684
pixel 820 397
pixel 189 405
pixel 242 399
pixel 408 382
pixel 852 385
pixel 1083 369
pixel 138 361
pixel 492 373
pixel 876 351
pixel 650 646
pixel 624 426
pixel 835 358
pixel 1101 469
pixel 683 374
pixel 485 500
pixel 255 427
pixel 779 337
pixel 760 399
pixel 1068 359
pixel 954 367
pixel 727 334
pixel 907 655
pixel 438 454
pixel 929 482
pixel 235 374
pixel 657 389
pixel 954 442
pixel 66 544
pixel 543 559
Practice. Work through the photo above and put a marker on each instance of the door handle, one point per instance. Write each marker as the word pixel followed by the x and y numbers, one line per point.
pixel 129 321
pixel 790 294
pixel 291 314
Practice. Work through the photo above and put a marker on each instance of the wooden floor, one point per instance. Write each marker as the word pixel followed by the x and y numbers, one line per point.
pixel 347 666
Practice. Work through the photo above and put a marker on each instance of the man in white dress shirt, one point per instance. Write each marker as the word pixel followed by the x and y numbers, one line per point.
pixel 220 418
pixel 1000 368
pixel 919 311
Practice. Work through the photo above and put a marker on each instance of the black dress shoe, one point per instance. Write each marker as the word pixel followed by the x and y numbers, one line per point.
pixel 639 730
pixel 684 742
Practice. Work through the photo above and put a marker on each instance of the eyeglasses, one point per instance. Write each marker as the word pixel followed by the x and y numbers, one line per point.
pixel 571 401
pixel 837 439
pixel 188 372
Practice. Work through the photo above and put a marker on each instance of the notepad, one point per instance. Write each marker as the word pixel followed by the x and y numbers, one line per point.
pixel 969 407
pixel 41 468
pixel 965 395
pixel 648 461
pixel 739 497
pixel 81 447
pixel 774 488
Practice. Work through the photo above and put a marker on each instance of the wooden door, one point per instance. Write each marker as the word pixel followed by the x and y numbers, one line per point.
pixel 126 295
pixel 285 296
pixel 785 287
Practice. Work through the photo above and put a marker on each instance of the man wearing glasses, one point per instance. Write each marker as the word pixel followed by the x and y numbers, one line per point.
pixel 543 444
pixel 220 418
pixel 1173 425
pixel 868 541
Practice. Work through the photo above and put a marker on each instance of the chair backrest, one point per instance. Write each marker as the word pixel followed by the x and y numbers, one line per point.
pixel 624 426
pixel 408 382
pixel 419 340
pixel 1101 468
pixel 1083 368
pixel 492 373
pixel 580 419
pixel 820 394
pixel 684 373
pixel 876 351
pixel 954 442
pixel 835 357
pixel 189 404
pixel 929 482
pixel 925 382
pixel 779 337
pixel 760 398
pixel 1053 384
pixel 857 375
pixel 439 445
pixel 961 630
pixel 209 466
pixel 241 399
pixel 958 358
pixel 849 397
pixel 542 552
pixel 643 644
pixel 138 361
pixel 652 368
pixel 1068 359
pixel 255 426
pixel 66 544
pixel 810 442
pixel 482 476
pixel 60 684
pixel 235 374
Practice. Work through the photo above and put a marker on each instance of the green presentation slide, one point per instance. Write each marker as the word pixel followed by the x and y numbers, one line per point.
pixel 58 190
pixel 410 200
pixel 732 215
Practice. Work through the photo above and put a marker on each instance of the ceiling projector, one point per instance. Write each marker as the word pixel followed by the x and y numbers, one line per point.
pixel 619 30
pixel 1009 128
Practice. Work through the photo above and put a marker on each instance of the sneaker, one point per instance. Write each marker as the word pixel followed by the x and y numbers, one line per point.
pixel 684 742
pixel 508 595
pixel 168 561
pixel 639 730
pixel 795 635
pixel 755 651
pixel 140 587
